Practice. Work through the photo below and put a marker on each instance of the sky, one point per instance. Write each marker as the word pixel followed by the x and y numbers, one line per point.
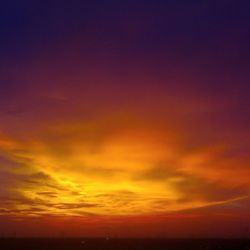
pixel 125 118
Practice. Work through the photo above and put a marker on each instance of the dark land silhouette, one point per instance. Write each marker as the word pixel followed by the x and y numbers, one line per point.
pixel 122 244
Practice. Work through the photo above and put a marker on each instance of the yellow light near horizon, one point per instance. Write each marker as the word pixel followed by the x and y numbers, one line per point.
pixel 122 174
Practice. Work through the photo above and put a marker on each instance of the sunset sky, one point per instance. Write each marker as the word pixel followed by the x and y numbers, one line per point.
pixel 125 118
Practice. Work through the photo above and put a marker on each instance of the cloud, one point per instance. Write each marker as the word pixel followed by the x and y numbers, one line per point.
pixel 191 186
pixel 118 165
pixel 66 206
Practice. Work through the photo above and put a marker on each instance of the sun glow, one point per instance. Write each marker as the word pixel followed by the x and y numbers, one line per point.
pixel 126 172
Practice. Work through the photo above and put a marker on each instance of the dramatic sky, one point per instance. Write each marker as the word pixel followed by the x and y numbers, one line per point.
pixel 127 118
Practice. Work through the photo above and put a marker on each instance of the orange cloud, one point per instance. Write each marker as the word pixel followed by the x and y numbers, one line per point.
pixel 114 167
